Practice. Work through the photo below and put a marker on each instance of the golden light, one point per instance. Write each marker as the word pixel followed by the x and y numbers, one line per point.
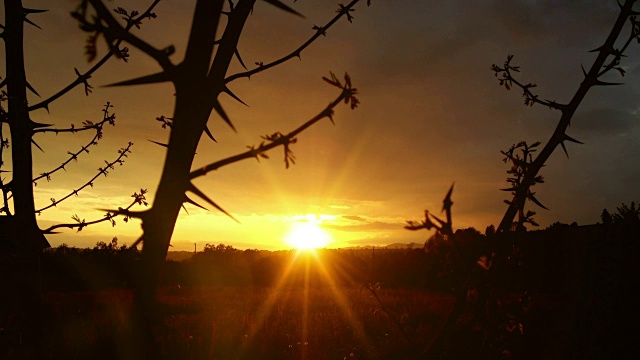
pixel 308 234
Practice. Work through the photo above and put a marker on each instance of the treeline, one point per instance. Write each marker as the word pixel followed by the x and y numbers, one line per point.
pixel 550 260
pixel 114 266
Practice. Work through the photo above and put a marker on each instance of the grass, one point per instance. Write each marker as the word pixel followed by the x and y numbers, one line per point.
pixel 252 323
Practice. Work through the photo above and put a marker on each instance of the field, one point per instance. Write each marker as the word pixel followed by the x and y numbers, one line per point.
pixel 252 323
pixel 568 292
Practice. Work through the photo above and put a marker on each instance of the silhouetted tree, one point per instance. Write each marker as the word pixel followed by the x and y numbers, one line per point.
pixel 18 211
pixel 198 79
pixel 20 234
pixel 624 215
pixel 606 217
pixel 524 172
pixel 475 289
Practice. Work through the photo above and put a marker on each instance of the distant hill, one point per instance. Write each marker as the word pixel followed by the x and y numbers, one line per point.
pixel 186 255
pixel 390 246
pixel 405 246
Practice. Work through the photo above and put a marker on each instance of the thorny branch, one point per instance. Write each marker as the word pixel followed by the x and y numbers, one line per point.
pixel 278 139
pixel 106 24
pixel 445 228
pixel 138 199
pixel 87 125
pixel 101 171
pixel 344 10
pixel 114 49
pixel 504 75
pixel 591 78
pixel 521 157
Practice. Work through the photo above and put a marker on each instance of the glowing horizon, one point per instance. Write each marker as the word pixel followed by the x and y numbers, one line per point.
pixel 381 164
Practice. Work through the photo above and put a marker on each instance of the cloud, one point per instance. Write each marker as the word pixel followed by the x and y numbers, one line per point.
pixel 604 121
pixel 371 226
pixel 354 218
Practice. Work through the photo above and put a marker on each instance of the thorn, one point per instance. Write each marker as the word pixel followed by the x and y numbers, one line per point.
pixel 35 125
pixel 159 143
pixel 208 132
pixel 280 5
pixel 228 92
pixel 31 23
pixel 237 54
pixel 533 198
pixel 564 148
pixel 32 89
pixel 36 144
pixel 218 108
pixel 147 79
pixel 185 209
pixel 600 48
pixel 33 11
pixel 603 83
pixel 584 72
pixel 200 194
pixel 188 200
pixel 567 137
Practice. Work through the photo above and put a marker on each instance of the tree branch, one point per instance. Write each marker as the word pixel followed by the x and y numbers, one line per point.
pixel 320 31
pixel 101 171
pixel 82 78
pixel 507 80
pixel 139 199
pixel 348 95
pixel 559 135
pixel 116 31
pixel 619 53
pixel 87 126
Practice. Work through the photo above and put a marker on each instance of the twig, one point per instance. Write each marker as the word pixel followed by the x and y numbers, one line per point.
pixel 276 139
pixel 74 156
pixel 320 31
pixel 101 171
pixel 559 136
pixel 139 199
pixel 82 78
pixel 119 32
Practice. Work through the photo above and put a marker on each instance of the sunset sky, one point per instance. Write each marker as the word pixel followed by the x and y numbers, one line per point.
pixel 431 114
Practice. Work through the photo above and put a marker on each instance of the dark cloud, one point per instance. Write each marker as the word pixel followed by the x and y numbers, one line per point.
pixel 561 22
pixel 604 121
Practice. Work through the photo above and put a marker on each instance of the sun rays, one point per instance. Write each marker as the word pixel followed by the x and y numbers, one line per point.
pixel 309 267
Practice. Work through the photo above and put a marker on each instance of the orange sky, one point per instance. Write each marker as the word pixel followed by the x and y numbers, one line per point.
pixel 431 113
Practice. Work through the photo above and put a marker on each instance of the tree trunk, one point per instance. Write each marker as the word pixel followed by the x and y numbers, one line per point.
pixel 23 238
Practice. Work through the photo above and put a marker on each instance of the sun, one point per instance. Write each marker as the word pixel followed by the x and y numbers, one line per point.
pixel 307 235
